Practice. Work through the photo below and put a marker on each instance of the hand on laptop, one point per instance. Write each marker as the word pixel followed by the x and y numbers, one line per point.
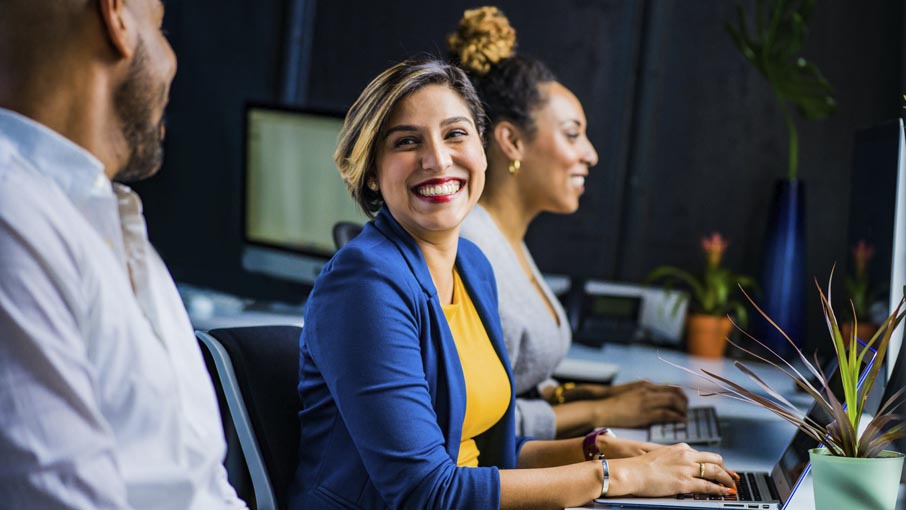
pixel 674 469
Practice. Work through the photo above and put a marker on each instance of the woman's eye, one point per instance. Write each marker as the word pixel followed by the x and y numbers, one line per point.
pixel 457 133
pixel 407 140
pixel 573 136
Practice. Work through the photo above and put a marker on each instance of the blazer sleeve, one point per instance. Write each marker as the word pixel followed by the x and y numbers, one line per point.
pixel 365 340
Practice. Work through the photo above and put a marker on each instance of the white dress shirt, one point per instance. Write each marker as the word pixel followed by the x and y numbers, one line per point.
pixel 105 401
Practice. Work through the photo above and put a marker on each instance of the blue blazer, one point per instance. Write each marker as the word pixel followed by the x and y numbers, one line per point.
pixel 381 384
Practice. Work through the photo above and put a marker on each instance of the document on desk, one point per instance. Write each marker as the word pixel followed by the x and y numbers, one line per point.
pixel 579 370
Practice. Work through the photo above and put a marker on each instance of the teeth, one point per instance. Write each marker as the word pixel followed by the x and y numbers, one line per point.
pixel 577 180
pixel 435 190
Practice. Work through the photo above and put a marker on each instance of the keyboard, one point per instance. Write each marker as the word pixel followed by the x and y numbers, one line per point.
pixel 747 491
pixel 701 427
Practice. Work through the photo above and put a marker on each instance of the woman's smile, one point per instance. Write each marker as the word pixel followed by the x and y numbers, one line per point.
pixel 439 190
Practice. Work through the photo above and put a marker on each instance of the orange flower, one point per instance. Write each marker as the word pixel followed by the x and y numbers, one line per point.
pixel 862 253
pixel 714 248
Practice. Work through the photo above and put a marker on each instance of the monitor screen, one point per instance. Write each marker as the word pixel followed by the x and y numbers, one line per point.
pixel 293 192
pixel 878 214
pixel 897 380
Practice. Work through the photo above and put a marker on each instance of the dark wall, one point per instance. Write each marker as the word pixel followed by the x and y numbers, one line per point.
pixel 228 53
pixel 689 135
pixel 711 139
pixel 591 46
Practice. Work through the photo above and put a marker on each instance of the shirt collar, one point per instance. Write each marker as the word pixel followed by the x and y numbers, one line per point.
pixel 75 170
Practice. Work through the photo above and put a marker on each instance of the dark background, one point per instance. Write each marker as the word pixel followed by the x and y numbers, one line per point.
pixel 689 135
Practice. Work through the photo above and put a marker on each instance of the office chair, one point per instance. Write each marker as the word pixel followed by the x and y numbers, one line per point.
pixel 344 231
pixel 257 372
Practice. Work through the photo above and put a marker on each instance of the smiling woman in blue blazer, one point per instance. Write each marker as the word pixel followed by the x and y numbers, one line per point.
pixel 406 391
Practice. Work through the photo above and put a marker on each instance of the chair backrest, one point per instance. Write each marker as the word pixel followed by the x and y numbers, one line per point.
pixel 344 231
pixel 257 371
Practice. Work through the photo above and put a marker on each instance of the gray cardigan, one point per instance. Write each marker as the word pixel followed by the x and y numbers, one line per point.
pixel 534 341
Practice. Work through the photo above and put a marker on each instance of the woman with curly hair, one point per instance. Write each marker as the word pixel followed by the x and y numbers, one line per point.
pixel 406 389
pixel 538 160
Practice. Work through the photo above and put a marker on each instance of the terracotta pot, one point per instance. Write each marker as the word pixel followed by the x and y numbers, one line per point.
pixel 706 335
pixel 864 332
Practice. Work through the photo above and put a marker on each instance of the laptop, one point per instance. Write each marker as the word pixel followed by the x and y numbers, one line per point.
pixel 756 490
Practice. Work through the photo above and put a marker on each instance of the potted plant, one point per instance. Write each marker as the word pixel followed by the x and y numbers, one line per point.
pixel 708 325
pixel 773 43
pixel 853 470
pixel 859 290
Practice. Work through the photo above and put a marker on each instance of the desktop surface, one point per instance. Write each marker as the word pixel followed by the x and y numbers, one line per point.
pixel 210 309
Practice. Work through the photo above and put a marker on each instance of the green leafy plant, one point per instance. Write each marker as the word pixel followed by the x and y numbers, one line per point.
pixel 711 293
pixel 840 435
pixel 857 284
pixel 773 47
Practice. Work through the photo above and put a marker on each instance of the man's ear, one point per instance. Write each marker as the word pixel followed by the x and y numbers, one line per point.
pixel 114 16
pixel 510 139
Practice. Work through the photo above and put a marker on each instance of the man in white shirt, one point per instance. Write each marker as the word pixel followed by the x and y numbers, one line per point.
pixel 105 402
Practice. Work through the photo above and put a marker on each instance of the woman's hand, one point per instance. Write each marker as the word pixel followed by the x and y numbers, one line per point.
pixel 674 469
pixel 599 391
pixel 636 404
pixel 616 448
pixel 640 404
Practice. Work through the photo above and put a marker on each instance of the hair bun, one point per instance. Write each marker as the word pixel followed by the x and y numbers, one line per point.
pixel 483 38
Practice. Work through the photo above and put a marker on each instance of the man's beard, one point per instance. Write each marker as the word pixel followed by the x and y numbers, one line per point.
pixel 134 104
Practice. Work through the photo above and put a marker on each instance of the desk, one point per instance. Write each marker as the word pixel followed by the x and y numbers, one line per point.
pixel 753 438
pixel 209 309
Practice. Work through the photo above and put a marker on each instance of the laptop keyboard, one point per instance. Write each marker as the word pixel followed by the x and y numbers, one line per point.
pixel 700 427
pixel 747 490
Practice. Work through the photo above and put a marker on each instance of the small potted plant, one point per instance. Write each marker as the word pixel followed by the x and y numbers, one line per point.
pixel 853 470
pixel 858 289
pixel 708 323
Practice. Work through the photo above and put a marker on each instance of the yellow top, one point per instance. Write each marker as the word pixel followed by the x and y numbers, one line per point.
pixel 487 385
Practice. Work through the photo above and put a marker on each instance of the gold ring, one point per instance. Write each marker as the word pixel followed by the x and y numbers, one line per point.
pixel 701 469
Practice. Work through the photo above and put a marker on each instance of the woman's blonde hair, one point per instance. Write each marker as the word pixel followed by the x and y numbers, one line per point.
pixel 363 129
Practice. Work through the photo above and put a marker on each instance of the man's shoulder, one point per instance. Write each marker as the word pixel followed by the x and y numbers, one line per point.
pixel 22 188
pixel 35 214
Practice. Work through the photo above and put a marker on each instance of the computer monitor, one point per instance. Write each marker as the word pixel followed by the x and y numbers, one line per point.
pixel 878 212
pixel 896 361
pixel 292 192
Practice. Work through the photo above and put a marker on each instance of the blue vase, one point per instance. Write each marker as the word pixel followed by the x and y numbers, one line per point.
pixel 783 278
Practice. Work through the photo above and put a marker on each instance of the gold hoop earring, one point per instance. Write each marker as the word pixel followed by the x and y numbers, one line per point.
pixel 514 166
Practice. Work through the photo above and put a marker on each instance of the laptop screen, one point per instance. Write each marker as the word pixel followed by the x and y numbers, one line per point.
pixel 795 458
